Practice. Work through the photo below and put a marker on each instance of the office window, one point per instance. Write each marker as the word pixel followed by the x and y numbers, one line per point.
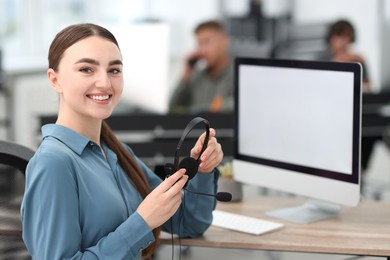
pixel 57 14
pixel 28 26
pixel 10 25
pixel 121 11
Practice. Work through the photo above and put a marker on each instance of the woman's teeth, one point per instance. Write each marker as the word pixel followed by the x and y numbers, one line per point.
pixel 104 97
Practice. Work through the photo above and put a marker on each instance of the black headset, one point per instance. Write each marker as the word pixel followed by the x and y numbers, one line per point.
pixel 190 164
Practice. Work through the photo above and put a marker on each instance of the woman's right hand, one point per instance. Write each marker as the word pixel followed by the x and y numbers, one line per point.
pixel 164 200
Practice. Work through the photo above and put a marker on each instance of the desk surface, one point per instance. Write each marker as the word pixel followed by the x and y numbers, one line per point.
pixel 364 230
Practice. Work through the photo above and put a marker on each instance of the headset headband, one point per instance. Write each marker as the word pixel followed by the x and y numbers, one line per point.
pixel 186 131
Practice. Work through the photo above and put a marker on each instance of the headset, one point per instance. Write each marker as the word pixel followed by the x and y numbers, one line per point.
pixel 190 164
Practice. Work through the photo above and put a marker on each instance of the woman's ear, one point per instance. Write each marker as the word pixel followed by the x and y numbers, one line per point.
pixel 53 79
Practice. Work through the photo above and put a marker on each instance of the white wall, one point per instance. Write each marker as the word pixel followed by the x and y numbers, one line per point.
pixel 32 97
pixel 182 17
pixel 145 51
pixel 364 14
pixel 385 40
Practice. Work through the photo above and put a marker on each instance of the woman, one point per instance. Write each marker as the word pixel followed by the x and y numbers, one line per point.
pixel 87 195
pixel 341 35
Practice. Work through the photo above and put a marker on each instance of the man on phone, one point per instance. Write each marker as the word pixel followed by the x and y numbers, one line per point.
pixel 206 84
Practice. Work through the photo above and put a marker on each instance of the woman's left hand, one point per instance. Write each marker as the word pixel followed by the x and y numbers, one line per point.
pixel 213 154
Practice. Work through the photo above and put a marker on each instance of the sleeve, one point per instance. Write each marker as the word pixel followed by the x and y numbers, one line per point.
pixel 228 93
pixel 50 217
pixel 195 214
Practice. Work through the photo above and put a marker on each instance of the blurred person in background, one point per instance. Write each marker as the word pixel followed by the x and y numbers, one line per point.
pixel 207 88
pixel 341 35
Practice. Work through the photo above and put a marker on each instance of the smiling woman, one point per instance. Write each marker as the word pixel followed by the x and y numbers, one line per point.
pixel 95 77
pixel 87 195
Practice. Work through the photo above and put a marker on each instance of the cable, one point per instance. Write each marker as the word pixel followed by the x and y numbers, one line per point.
pixel 173 251
pixel 183 206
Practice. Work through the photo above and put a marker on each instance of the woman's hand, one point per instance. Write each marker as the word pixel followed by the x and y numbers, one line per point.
pixel 213 154
pixel 163 201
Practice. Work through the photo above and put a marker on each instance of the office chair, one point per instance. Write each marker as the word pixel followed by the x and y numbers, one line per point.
pixel 15 155
pixel 13 158
pixel 377 187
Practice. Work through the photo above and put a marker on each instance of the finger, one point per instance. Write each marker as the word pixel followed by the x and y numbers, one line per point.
pixel 209 162
pixel 212 146
pixel 170 181
pixel 177 186
pixel 195 151
pixel 212 159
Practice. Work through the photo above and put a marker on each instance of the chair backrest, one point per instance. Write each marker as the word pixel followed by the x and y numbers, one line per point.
pixel 15 155
pixel 12 246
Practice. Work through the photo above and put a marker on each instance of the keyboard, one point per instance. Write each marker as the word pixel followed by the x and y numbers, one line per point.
pixel 243 223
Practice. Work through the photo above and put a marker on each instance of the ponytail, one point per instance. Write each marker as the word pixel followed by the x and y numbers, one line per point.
pixel 133 172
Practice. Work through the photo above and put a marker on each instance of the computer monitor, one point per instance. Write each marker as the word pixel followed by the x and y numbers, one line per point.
pixel 297 130
pixel 145 51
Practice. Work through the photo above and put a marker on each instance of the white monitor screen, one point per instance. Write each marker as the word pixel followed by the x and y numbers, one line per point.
pixel 302 116
pixel 307 124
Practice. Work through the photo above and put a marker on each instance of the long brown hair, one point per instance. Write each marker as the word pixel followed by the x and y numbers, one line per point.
pixel 63 40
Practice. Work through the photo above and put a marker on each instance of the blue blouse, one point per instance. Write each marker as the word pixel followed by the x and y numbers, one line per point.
pixel 80 205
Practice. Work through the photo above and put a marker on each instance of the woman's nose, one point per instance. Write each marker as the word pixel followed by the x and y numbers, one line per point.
pixel 103 80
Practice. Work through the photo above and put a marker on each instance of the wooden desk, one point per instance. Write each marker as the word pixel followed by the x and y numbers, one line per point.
pixel 364 230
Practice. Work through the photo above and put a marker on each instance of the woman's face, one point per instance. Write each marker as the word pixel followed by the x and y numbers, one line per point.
pixel 89 79
pixel 340 43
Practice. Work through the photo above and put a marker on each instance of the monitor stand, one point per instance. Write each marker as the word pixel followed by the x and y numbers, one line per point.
pixel 311 211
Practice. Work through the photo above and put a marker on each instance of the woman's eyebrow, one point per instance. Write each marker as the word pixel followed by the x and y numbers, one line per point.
pixel 95 62
pixel 87 60
pixel 116 62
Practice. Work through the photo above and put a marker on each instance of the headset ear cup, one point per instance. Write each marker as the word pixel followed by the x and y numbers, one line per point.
pixel 191 166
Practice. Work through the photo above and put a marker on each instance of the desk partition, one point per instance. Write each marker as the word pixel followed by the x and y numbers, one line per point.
pixel 154 137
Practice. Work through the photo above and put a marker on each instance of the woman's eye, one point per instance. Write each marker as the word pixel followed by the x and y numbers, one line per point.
pixel 115 71
pixel 86 70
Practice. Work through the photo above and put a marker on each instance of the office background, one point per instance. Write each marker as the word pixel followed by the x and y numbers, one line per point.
pixel 282 29
pixel 155 36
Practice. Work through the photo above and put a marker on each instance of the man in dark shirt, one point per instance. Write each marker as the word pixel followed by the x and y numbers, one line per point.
pixel 207 88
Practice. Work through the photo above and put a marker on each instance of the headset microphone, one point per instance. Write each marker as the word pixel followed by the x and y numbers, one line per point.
pixel 220 196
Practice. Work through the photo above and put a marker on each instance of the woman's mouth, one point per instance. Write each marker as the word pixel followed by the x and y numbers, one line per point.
pixel 99 97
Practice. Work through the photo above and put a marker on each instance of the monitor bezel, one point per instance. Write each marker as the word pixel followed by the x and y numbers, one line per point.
pixel 355 68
